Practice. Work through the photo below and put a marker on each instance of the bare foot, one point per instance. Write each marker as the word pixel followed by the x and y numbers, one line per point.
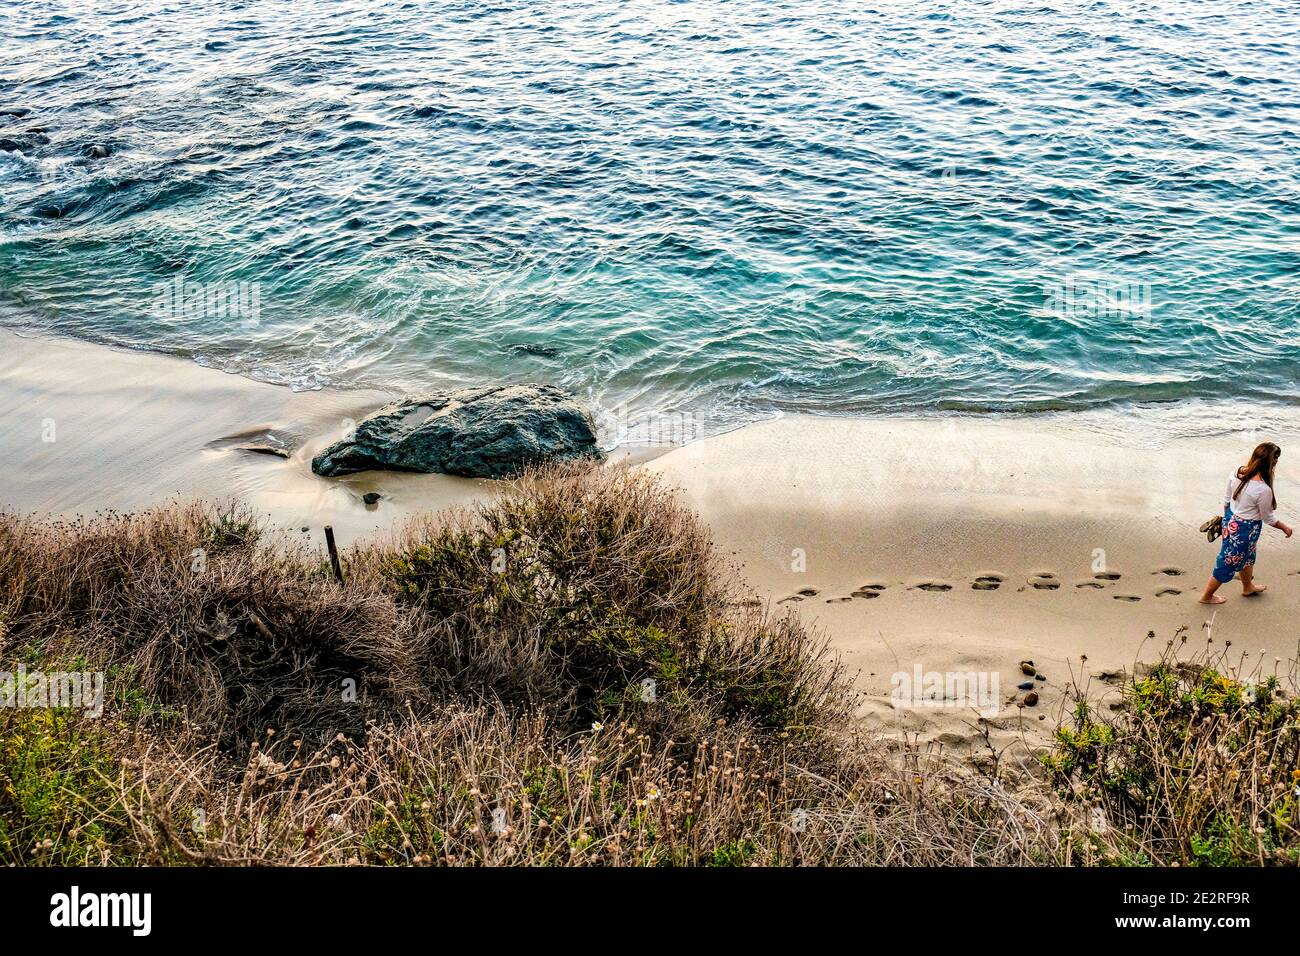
pixel 1257 589
pixel 1214 599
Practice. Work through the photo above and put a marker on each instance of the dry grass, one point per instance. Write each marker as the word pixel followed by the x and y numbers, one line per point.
pixel 566 675
pixel 484 786
pixel 204 619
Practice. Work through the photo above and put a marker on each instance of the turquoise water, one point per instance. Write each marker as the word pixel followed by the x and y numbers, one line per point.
pixel 724 209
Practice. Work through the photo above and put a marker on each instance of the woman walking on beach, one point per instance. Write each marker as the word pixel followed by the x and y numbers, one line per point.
pixel 1248 505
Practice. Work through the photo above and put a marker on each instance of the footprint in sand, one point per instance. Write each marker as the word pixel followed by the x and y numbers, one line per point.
pixel 1108 576
pixel 1126 597
pixel 1095 585
pixel 838 600
pixel 1045 581
pixel 869 591
pixel 1167 592
pixel 933 586
pixel 988 582
pixel 799 595
pixel 1170 572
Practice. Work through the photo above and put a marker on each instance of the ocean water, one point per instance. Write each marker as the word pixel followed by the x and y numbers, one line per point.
pixel 715 210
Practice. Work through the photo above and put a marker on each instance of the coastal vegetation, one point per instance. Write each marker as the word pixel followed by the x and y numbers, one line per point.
pixel 567 674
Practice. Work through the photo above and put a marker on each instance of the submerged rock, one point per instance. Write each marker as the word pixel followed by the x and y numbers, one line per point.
pixel 491 432
pixel 18 142
pixel 259 441
pixel 265 448
pixel 545 351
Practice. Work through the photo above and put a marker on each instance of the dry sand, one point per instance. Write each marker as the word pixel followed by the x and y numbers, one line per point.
pixel 1095 545
pixel 918 509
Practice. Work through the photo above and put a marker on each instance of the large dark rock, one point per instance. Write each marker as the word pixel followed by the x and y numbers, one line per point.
pixel 492 432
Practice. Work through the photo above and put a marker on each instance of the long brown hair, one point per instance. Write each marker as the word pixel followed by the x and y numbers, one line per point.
pixel 1263 461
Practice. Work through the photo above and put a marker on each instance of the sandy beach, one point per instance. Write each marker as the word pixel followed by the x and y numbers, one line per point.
pixel 971 543
pixel 1085 548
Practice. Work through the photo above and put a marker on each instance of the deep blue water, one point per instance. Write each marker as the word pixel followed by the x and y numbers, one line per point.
pixel 723 208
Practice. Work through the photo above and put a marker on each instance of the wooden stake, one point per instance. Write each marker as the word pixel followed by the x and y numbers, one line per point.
pixel 334 554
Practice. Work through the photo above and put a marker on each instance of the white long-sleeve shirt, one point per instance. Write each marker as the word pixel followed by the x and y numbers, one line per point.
pixel 1255 503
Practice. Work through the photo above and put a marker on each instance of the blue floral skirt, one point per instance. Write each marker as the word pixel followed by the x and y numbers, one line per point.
pixel 1240 536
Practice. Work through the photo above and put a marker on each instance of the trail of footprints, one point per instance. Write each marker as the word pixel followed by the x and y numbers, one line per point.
pixel 1039 581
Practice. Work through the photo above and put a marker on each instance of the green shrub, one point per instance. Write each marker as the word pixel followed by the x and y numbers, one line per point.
pixel 593 589
pixel 59 801
pixel 1197 767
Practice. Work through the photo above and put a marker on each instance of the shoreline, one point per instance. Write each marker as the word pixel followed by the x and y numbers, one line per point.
pixel 916 508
